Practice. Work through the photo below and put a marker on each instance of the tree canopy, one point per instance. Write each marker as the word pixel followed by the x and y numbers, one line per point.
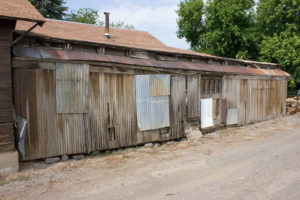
pixel 85 15
pixel 191 22
pixel 53 9
pixel 235 29
pixel 278 22
pixel 91 16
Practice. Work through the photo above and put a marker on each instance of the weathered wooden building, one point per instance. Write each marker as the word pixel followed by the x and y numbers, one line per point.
pixel 10 13
pixel 84 88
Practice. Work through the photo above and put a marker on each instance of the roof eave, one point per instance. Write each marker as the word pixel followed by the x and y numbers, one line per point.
pixel 41 22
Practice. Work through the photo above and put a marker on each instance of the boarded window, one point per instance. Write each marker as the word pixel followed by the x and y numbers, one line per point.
pixel 211 84
pixel 152 97
pixel 72 82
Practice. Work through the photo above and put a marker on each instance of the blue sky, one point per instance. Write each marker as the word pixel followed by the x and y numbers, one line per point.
pixel 157 17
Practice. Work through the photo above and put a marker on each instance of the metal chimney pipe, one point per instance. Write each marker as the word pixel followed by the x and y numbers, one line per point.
pixel 107 35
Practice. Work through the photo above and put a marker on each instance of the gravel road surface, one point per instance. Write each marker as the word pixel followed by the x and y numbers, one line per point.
pixel 259 161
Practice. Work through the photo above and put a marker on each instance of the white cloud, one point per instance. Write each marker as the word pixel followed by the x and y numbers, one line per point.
pixel 159 20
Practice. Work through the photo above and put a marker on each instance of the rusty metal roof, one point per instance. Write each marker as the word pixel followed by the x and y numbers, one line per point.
pixel 19 9
pixel 50 54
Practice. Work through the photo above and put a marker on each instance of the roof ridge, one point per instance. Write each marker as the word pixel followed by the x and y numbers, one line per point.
pixel 94 25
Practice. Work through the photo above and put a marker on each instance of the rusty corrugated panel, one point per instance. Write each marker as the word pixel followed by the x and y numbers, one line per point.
pixel 152 111
pixel 72 82
pixel 83 56
pixel 159 85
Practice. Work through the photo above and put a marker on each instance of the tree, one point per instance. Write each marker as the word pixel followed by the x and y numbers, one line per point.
pixel 91 16
pixel 121 24
pixel 53 9
pixel 222 27
pixel 276 16
pixel 278 22
pixel 191 21
pixel 285 50
pixel 85 15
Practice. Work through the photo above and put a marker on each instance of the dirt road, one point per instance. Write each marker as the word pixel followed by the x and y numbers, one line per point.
pixel 260 161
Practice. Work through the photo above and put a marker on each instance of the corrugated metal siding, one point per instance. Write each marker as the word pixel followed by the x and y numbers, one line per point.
pixel 207 113
pixel 152 111
pixel 72 82
pixel 159 85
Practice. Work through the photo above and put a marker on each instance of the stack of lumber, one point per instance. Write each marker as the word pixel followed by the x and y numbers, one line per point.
pixel 292 105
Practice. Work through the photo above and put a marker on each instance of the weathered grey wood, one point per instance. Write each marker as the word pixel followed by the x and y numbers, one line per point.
pixel 48 134
pixel 177 106
pixel 193 96
pixel 112 111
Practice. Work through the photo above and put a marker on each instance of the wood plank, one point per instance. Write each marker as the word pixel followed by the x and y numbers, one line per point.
pixel 5 98
pixel 6 115
pixel 177 107
pixel 112 111
pixel 193 96
pixel 5 63
pixel 4 53
pixel 6 137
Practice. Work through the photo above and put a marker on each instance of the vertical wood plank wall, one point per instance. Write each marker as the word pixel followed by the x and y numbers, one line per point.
pixel 111 119
pixel 177 107
pixel 193 96
pixel 48 133
pixel 256 99
pixel 6 119
pixel 112 111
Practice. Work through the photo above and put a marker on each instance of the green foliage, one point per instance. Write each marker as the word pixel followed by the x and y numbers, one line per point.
pixel 91 16
pixel 228 28
pixel 285 50
pixel 222 27
pixel 85 15
pixel 121 24
pixel 275 16
pixel 278 22
pixel 190 22
pixel 232 28
pixel 53 9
